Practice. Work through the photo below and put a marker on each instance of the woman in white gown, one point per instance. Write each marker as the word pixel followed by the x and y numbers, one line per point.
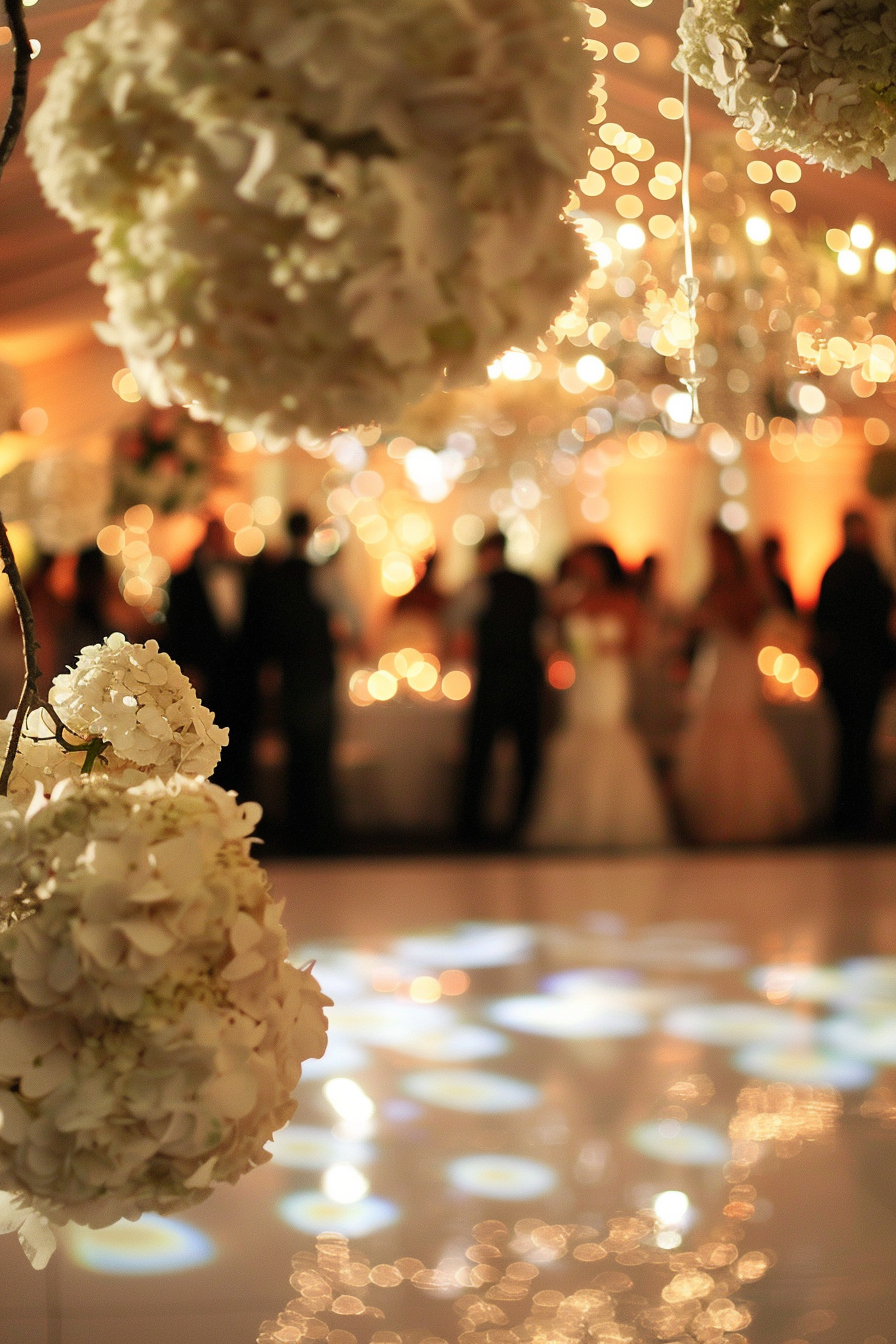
pixel 597 785
pixel 733 779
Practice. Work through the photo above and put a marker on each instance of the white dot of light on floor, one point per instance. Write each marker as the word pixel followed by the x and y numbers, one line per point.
pixel 373 1020
pixel 314 1148
pixel 343 1055
pixel 680 1142
pixel 151 1245
pixel 344 1183
pixel 471 1090
pixel 456 1045
pixel 872 1039
pixel 812 1068
pixel 566 1017
pixel 495 1176
pixel 349 1100
pixel 802 983
pixel 735 1024
pixel 308 1211
pixel 469 945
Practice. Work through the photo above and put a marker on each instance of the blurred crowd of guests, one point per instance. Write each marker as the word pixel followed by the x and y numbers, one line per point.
pixel 631 721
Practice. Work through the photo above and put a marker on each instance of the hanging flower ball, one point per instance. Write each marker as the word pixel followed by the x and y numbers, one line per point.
pixel 137 702
pixel 310 214
pixel 151 1029
pixel 815 79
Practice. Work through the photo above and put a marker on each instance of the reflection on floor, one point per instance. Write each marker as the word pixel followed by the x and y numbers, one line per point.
pixel 681 1066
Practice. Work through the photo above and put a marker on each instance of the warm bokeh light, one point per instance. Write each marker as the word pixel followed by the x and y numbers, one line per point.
pixel 267 510
pixel 425 989
pixel 561 673
pixel 805 683
pixel 382 685
pixel 34 421
pixel 456 685
pixel 139 517
pixel 238 515
pixel 454 982
pixel 249 541
pixel 767 659
pixel 110 540
pixel 242 441
pixel 758 229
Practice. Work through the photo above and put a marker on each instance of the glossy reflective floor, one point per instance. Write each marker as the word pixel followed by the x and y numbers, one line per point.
pixel 703 1047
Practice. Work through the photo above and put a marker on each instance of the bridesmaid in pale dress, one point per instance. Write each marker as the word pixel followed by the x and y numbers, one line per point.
pixel 733 780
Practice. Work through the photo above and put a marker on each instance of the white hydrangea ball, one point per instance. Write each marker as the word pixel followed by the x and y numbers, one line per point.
pixel 134 697
pixel 151 1030
pixel 309 214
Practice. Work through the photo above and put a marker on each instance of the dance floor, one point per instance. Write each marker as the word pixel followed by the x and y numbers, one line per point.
pixel 626 1100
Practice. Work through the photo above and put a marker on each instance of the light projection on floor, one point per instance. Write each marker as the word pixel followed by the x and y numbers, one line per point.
pixel 871 1038
pixel 494 1176
pixel 575 1017
pixel 736 1024
pixel 383 1019
pixel 471 1090
pixel 811 1068
pixel 451 1045
pixel 312 1212
pixel 799 983
pixel 343 1055
pixel 468 945
pixel 313 1148
pixel 683 1142
pixel 151 1245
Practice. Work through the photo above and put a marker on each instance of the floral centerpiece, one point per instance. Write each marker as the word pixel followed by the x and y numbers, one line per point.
pixel 166 461
pixel 310 215
pixel 816 79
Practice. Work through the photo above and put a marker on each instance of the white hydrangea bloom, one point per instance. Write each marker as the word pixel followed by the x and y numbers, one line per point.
pixel 151 1028
pixel 818 80
pixel 138 700
pixel 309 214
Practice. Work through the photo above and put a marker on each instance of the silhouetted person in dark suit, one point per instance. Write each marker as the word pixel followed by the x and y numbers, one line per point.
pixel 501 608
pixel 774 580
pixel 208 634
pixel 855 651
pixel 302 604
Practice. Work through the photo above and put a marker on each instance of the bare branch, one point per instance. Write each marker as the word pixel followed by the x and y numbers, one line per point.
pixel 30 695
pixel 19 96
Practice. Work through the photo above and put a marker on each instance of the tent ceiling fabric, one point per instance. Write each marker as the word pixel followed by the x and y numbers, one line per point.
pixel 47 303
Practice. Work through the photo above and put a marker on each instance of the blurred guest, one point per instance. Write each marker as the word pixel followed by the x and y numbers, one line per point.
pixel 777 589
pixel 86 621
pixel 659 666
pixel 208 636
pixel 598 788
pixel 855 649
pixel 415 620
pixel 305 612
pixel 501 609
pixel 733 778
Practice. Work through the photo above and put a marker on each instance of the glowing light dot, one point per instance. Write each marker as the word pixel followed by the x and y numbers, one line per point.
pixel 110 540
pixel 382 685
pixel 733 515
pixel 630 207
pixel 456 685
pixel 786 667
pixel 837 240
pixel 468 529
pixel 344 1184
pixel 34 421
pixel 425 989
pixel 348 1099
pixel 626 174
pixel 267 510
pixel 516 365
pixel 422 677
pixel 667 171
pixel 877 431
pixel 784 200
pixel 124 384
pixel 630 236
pixel 759 171
pixel 661 226
pixel 671 1207
pixel 861 236
pixel 679 408
pixel 561 674
pixel 885 260
pixel 768 656
pixel 591 369
pixel 758 229
pixel 453 981
pixel 140 517
pixel 805 683
pixel 850 262
pixel 626 52
pixel 249 541
pixel 238 515
pixel 671 108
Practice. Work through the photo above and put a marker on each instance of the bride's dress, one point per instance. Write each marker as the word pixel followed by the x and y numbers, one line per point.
pixel 598 787
pixel 733 779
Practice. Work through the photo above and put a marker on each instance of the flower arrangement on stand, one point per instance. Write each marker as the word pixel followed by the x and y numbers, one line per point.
pixel 817 79
pixel 167 461
pixel 311 215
